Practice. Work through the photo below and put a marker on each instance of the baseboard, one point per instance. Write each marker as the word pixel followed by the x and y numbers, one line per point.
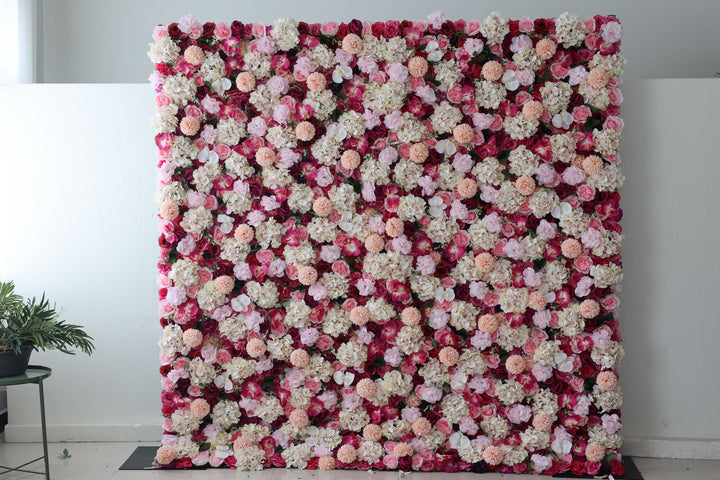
pixel 634 447
pixel 84 433
pixel 696 449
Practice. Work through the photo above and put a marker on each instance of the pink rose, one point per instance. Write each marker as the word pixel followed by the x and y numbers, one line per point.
pixel 586 192
pixel 573 175
pixel 222 150
pixel 329 28
pixel 324 342
pixel 581 114
pixel 204 276
pixel 222 31
pixel 473 26
pixel 559 70
pixel 341 268
pixel 444 426
pixel 397 72
pixel 611 32
pixel 583 264
pixel 614 123
pixel 611 302
pixel 428 394
pixel 526 25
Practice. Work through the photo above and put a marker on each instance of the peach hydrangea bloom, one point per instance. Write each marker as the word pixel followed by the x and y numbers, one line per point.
pixel 403 449
pixel 169 210
pixel 366 388
pixel 571 248
pixel 418 153
pixel 532 110
pixel 525 185
pixel 244 233
pixel 542 422
pixel 589 308
pixel 352 44
pixel 299 358
pixel 200 408
pixel 595 452
pixel 326 462
pixel 487 323
pixel 192 337
pixel 493 455
pixel 411 316
pixel 242 442
pixel 245 82
pixel 536 301
pixel 421 427
pixel 316 82
pixel 515 364
pixel 372 433
pixel 467 188
pixel 350 159
pixel 598 78
pixel 485 262
pixel 299 418
pixel 347 453
pixel 394 227
pixel 359 315
pixel 492 71
pixel 189 126
pixel 194 55
pixel 165 454
pixel 224 284
pixel 322 206
pixel 304 131
pixel 307 275
pixel 606 380
pixel 418 67
pixel 463 133
pixel 592 164
pixel 255 347
pixel 546 48
pixel 374 243
pixel 449 356
pixel 265 156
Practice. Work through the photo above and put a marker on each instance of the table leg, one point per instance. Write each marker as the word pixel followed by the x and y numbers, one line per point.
pixel 44 430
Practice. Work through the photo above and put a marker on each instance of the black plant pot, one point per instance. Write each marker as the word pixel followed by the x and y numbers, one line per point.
pixel 12 364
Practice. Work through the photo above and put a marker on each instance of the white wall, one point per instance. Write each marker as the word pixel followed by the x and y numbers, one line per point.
pixel 77 190
pixel 106 40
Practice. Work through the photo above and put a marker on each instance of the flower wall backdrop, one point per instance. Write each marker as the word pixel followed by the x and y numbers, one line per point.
pixel 390 245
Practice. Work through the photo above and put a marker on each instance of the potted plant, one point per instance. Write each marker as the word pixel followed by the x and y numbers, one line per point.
pixel 31 324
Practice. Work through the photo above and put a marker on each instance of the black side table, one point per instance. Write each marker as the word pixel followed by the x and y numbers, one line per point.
pixel 34 374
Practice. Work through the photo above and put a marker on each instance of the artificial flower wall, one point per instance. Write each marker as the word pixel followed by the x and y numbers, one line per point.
pixel 390 245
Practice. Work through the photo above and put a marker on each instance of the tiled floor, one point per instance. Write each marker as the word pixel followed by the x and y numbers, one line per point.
pixel 100 461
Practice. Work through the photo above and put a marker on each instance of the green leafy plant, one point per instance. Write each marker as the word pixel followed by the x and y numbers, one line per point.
pixel 35 323
pixel 65 455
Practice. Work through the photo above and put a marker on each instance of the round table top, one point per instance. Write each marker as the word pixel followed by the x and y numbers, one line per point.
pixel 33 374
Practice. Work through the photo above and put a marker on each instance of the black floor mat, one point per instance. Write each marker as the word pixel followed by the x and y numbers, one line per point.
pixel 142 459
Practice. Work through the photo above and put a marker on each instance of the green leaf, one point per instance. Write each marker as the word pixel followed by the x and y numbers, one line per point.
pixel 267 383
pixel 539 263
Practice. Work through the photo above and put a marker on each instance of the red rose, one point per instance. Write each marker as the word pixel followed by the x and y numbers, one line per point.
pixel 378 29
pixel 342 32
pixel 209 30
pixel 542 26
pixel 355 26
pixel 237 29
pixel 392 28
pixel 303 28
pixel 447 28
pixel 174 31
pixel 577 467
pixel 617 467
